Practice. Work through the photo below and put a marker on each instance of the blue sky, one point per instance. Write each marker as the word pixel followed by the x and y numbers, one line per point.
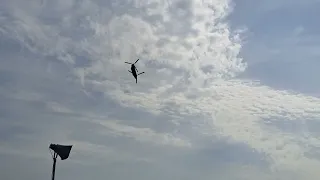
pixel 230 89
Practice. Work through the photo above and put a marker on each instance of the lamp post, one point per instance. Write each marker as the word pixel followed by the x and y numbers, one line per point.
pixel 62 150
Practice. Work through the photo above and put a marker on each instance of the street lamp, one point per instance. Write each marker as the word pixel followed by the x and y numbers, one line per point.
pixel 62 150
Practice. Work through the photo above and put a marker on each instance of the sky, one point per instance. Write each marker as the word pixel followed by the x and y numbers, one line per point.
pixel 230 89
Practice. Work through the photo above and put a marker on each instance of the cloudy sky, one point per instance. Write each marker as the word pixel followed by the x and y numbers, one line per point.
pixel 230 89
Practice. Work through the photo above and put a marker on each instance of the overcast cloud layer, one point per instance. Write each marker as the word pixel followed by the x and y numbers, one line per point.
pixel 229 91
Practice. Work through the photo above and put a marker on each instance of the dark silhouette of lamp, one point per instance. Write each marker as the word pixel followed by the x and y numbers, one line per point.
pixel 62 150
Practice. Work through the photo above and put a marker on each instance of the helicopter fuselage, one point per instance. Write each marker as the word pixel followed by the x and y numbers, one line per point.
pixel 133 70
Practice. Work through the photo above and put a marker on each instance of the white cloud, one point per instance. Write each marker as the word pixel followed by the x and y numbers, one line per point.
pixel 143 134
pixel 189 55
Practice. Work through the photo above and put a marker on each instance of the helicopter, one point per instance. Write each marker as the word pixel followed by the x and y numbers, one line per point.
pixel 134 70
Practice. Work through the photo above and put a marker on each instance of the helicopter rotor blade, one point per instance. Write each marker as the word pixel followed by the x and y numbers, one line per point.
pixel 140 73
pixel 136 61
pixel 127 62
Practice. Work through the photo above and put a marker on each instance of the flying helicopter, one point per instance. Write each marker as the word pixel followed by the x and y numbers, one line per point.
pixel 134 70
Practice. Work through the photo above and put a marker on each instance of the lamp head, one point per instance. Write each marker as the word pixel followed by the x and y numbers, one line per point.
pixel 62 150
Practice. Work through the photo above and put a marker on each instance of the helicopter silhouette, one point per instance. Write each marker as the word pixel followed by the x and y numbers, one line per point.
pixel 134 70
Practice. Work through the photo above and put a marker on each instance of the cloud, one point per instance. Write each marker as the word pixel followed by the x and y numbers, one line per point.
pixel 74 77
